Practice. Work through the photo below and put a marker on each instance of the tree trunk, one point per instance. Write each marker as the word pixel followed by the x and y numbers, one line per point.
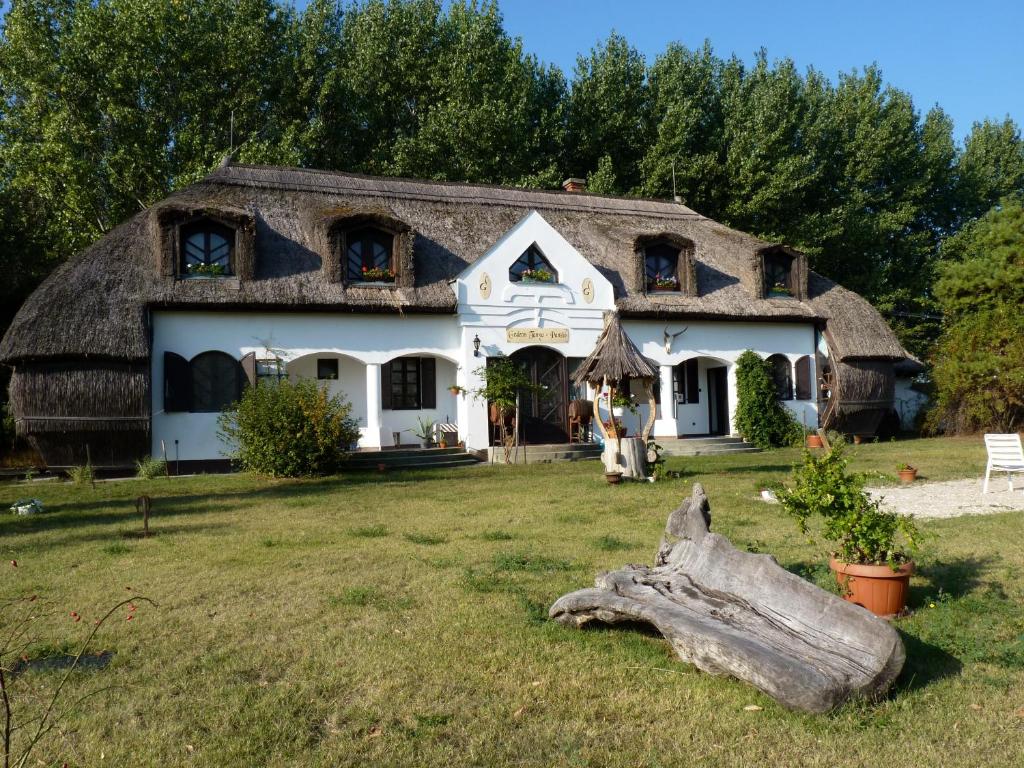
pixel 631 461
pixel 734 613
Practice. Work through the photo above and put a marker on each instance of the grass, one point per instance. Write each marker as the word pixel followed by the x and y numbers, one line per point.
pixel 401 620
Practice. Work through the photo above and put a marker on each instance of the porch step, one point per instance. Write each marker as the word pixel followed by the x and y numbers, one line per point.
pixel 547 453
pixel 409 458
pixel 704 446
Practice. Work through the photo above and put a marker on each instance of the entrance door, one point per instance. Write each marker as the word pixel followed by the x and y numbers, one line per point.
pixel 544 412
pixel 718 401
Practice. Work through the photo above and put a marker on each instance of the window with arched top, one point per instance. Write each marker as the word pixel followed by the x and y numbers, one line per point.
pixel 661 267
pixel 207 249
pixel 217 381
pixel 804 382
pixel 369 255
pixel 782 376
pixel 778 275
pixel 532 266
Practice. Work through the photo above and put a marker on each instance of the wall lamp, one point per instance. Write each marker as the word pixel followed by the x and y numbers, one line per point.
pixel 476 346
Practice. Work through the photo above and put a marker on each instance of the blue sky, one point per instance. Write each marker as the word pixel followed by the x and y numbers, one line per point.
pixel 968 57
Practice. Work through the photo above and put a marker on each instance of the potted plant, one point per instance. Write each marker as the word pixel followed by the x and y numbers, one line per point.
pixel 659 283
pixel 907 473
pixel 871 559
pixel 613 478
pixel 538 275
pixel 424 430
pixel 456 390
pixel 378 275
pixel 503 381
pixel 780 289
pixel 814 440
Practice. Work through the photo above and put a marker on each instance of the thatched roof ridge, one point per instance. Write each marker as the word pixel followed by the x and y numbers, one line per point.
pixel 96 304
pixel 615 357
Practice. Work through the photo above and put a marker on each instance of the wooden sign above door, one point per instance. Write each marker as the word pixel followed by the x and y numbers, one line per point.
pixel 537 335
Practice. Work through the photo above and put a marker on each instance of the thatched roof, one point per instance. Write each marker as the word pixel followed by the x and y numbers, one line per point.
pixel 96 304
pixel 615 357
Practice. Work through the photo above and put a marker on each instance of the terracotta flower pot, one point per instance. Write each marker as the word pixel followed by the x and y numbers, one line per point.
pixel 814 441
pixel 907 476
pixel 613 478
pixel 878 588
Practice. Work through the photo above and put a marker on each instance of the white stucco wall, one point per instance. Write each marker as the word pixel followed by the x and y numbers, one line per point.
pixel 364 342
pixel 489 304
pixel 908 402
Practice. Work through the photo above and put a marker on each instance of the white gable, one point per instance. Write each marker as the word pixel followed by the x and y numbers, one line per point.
pixel 485 286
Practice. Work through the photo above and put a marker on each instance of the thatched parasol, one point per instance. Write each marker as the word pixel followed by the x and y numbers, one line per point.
pixel 616 357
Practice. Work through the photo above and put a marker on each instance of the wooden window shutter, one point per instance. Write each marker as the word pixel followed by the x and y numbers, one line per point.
pixel 249 368
pixel 428 382
pixel 385 386
pixel 692 385
pixel 177 383
pixel 804 390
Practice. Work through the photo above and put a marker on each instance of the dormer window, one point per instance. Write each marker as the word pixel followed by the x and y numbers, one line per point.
pixel 532 267
pixel 778 275
pixel 207 250
pixel 661 267
pixel 369 255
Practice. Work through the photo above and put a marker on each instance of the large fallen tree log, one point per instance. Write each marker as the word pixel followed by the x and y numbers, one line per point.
pixel 741 614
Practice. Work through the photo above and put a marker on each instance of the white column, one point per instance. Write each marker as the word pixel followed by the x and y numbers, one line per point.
pixel 666 426
pixel 730 378
pixel 371 435
pixel 473 427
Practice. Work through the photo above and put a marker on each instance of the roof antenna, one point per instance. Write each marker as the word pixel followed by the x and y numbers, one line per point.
pixel 675 197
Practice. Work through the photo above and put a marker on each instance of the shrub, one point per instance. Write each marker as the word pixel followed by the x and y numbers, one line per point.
pixel 82 475
pixel 760 418
pixel 150 468
pixel 863 532
pixel 979 374
pixel 979 359
pixel 289 429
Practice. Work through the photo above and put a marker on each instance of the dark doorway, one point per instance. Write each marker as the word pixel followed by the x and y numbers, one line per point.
pixel 718 400
pixel 544 412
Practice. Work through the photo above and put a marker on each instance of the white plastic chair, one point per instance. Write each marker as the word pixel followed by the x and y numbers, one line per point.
pixel 1005 454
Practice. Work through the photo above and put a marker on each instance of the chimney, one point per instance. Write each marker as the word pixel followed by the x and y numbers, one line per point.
pixel 575 185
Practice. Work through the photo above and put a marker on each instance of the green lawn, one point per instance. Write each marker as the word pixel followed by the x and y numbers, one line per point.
pixel 401 620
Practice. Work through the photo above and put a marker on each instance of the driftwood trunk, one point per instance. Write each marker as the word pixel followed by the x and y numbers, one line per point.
pixel 631 460
pixel 735 613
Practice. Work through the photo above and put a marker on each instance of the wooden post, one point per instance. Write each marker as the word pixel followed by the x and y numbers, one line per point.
pixel 651 407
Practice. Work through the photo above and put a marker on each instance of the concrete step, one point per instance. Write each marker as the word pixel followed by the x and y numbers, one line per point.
pixel 545 454
pixel 410 459
pixel 704 446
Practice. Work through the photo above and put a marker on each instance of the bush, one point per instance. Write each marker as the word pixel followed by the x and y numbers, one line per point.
pixel 863 532
pixel 289 429
pixel 82 475
pixel 979 359
pixel 150 468
pixel 979 374
pixel 760 418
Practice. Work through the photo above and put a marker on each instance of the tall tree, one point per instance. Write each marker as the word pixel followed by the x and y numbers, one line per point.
pixel 608 114
pixel 979 359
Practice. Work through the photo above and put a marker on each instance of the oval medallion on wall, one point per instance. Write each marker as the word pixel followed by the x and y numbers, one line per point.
pixel 588 290
pixel 485 286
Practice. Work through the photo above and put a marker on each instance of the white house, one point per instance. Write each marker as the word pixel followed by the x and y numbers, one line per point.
pixel 392 291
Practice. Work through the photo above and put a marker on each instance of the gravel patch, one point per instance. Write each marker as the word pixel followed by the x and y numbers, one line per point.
pixel 951 498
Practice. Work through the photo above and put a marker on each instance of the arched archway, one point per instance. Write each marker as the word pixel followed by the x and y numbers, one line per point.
pixel 544 412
